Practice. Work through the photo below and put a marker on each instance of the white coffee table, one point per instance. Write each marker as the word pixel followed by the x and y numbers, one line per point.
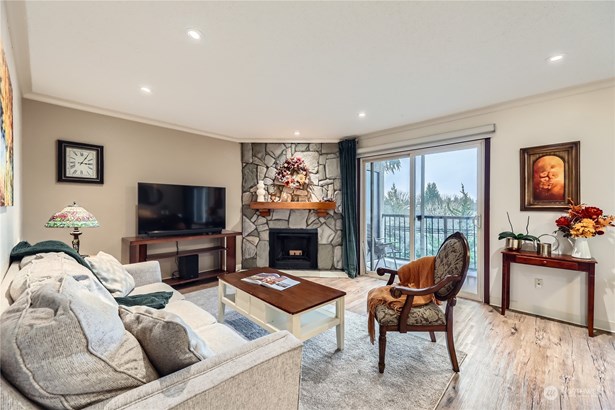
pixel 305 310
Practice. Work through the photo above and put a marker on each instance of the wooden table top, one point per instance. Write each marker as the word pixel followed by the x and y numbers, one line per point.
pixel 554 256
pixel 296 299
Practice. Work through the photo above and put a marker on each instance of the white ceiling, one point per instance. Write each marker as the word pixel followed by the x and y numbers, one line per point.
pixel 266 69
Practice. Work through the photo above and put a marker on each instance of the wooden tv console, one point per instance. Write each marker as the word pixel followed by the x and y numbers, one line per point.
pixel 227 246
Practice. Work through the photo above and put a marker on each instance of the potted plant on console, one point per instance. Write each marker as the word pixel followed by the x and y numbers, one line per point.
pixel 514 241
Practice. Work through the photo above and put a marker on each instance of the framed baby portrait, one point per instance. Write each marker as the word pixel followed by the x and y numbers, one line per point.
pixel 550 176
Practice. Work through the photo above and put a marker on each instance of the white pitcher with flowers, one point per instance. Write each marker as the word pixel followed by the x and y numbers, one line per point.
pixel 581 223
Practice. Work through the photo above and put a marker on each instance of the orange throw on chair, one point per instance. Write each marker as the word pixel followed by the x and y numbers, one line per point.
pixel 417 274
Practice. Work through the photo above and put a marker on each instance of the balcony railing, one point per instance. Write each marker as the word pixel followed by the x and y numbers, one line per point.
pixel 430 231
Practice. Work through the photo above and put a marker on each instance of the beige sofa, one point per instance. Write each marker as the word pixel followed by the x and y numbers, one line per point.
pixel 259 374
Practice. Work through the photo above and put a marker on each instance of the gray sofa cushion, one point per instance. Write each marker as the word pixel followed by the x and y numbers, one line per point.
pixel 64 347
pixel 194 316
pixel 168 341
pixel 112 274
pixel 220 338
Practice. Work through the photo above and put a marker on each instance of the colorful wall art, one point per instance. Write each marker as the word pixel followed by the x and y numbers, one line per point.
pixel 6 128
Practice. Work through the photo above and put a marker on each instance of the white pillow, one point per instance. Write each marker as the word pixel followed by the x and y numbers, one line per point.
pixel 64 347
pixel 44 267
pixel 112 274
pixel 169 342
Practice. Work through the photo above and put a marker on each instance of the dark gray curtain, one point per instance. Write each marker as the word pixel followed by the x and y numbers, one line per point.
pixel 348 168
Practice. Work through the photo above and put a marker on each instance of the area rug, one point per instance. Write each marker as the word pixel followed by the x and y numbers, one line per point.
pixel 417 371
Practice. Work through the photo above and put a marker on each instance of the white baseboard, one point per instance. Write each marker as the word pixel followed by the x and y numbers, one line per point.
pixel 576 319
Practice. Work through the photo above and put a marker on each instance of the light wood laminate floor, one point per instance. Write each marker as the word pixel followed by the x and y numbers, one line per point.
pixel 515 362
pixel 518 361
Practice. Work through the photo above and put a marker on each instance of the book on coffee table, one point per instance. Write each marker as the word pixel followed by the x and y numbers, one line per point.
pixel 271 280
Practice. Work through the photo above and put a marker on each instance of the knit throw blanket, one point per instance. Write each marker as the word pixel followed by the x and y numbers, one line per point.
pixel 23 249
pixel 416 274
pixel 156 300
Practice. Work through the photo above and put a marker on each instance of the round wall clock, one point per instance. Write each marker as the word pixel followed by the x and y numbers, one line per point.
pixel 80 162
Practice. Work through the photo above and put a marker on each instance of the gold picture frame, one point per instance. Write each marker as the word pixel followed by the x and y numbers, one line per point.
pixel 550 176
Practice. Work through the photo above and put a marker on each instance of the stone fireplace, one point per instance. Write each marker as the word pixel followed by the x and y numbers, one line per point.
pixel 259 162
pixel 293 248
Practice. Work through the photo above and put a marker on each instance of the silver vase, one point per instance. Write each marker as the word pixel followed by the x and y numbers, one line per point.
pixel 512 244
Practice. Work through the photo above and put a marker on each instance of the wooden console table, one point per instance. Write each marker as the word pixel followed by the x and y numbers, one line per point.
pixel 554 261
pixel 227 246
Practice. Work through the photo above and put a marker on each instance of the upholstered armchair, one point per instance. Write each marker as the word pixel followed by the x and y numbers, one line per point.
pixel 451 268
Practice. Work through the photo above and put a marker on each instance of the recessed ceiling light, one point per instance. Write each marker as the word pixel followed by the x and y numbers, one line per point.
pixel 146 90
pixel 362 114
pixel 555 58
pixel 296 133
pixel 194 34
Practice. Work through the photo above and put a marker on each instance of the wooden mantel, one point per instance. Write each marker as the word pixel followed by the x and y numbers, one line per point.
pixel 321 208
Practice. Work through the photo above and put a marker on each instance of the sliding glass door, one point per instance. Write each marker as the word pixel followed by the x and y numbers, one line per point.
pixel 414 201
pixel 387 206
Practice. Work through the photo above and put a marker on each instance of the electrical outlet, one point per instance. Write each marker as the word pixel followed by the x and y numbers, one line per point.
pixel 538 283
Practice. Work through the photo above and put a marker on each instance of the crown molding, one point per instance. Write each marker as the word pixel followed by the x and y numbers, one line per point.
pixel 116 114
pixel 129 117
pixel 444 138
pixel 534 99
pixel 18 29
pixel 111 113
pixel 282 140
pixel 562 93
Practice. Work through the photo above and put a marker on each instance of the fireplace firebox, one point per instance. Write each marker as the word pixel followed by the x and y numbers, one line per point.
pixel 293 248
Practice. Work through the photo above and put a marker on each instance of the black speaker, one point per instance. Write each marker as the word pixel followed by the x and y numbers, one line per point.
pixel 188 266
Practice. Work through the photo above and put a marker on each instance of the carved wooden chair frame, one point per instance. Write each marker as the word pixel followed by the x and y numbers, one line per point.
pixel 450 297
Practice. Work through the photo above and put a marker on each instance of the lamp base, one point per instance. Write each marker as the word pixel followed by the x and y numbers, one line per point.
pixel 76 232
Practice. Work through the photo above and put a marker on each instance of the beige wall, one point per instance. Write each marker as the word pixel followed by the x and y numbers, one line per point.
pixel 10 217
pixel 134 152
pixel 585 114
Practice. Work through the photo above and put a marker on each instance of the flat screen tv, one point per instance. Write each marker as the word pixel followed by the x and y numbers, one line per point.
pixel 166 210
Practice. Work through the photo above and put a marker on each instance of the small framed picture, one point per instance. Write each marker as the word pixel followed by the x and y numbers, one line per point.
pixel 550 176
pixel 80 162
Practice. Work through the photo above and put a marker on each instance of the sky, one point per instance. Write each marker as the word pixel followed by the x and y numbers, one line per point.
pixel 447 169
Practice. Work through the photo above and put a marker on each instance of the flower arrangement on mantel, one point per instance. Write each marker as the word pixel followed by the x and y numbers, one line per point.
pixel 292 173
pixel 583 221
pixel 292 177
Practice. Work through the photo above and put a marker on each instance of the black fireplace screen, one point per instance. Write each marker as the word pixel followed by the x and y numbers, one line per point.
pixel 293 248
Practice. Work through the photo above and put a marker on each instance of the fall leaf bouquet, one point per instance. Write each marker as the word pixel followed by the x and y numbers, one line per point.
pixel 583 221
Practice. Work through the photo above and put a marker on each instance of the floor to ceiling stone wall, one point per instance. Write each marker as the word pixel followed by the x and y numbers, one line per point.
pixel 259 162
